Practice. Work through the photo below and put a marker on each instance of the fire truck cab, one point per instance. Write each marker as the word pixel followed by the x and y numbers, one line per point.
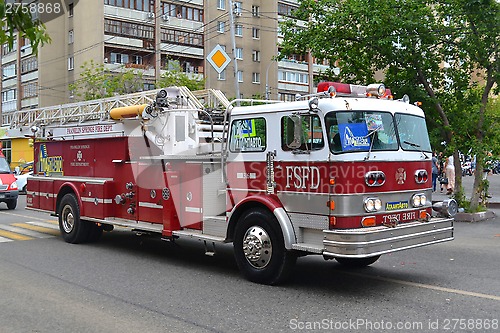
pixel 8 186
pixel 343 173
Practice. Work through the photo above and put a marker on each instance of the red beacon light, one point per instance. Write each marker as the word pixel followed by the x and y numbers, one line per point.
pixel 377 90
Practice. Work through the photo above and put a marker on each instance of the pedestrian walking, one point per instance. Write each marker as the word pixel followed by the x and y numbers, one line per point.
pixel 450 175
pixel 435 171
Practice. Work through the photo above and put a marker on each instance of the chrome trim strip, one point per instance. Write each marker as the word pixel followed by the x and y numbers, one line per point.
pixel 286 227
pixel 245 190
pixel 149 205
pixel 88 180
pixel 193 209
pixel 305 193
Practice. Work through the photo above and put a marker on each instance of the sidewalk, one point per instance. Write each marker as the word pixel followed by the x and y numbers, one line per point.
pixel 467 182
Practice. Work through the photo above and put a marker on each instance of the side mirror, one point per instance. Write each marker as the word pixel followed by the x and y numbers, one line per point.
pixel 16 170
pixel 294 131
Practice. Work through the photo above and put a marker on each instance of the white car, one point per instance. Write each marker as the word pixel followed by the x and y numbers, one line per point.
pixel 22 173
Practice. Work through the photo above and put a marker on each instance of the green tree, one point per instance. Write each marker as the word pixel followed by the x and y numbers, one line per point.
pixel 13 21
pixel 430 50
pixel 175 77
pixel 96 82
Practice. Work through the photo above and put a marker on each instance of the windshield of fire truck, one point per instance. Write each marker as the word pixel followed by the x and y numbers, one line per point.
pixel 412 132
pixel 4 166
pixel 374 130
pixel 361 131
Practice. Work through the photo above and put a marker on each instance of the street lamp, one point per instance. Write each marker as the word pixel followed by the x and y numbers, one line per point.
pixel 267 78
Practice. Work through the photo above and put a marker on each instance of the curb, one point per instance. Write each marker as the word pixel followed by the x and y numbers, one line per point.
pixel 474 217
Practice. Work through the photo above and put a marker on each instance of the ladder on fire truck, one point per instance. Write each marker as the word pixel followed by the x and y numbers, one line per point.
pixel 98 110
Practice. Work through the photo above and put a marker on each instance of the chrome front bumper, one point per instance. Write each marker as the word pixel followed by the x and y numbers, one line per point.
pixel 374 241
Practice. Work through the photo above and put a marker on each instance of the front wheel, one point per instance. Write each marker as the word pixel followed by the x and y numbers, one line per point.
pixel 259 248
pixel 12 204
pixel 73 230
pixel 357 262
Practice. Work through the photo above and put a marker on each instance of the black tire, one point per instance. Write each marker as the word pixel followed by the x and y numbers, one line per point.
pixel 11 204
pixel 73 230
pixel 259 248
pixel 357 262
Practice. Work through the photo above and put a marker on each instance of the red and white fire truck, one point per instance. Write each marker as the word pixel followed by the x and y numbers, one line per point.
pixel 8 185
pixel 343 173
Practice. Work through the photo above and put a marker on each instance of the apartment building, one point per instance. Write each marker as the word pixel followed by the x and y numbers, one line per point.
pixel 153 36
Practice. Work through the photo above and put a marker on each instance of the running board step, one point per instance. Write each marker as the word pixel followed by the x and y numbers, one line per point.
pixel 307 248
pixel 196 234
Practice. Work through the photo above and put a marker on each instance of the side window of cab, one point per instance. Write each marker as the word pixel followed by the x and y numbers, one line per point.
pixel 301 133
pixel 248 135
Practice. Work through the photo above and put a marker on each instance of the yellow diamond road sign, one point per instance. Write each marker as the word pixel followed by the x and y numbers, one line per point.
pixel 218 58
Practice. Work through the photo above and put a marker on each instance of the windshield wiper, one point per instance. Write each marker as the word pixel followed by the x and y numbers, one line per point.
pixel 371 141
pixel 415 145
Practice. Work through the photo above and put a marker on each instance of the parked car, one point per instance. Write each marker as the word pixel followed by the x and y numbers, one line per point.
pixel 22 173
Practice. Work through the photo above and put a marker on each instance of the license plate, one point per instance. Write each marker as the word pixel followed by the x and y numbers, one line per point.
pixel 394 219
pixel 396 205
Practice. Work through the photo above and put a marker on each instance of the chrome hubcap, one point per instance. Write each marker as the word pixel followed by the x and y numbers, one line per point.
pixel 257 247
pixel 68 220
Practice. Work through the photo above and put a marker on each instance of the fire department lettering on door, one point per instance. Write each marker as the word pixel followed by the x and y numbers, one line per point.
pixel 300 177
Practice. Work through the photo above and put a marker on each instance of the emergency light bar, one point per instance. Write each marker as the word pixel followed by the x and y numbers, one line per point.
pixel 344 89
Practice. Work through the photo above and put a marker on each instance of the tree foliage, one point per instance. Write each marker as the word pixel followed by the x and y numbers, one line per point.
pixel 13 21
pixel 96 82
pixel 175 77
pixel 444 53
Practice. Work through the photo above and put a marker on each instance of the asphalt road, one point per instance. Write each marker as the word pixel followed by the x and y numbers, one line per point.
pixel 127 283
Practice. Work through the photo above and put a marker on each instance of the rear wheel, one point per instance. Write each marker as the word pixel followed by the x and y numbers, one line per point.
pixel 259 248
pixel 11 204
pixel 73 229
pixel 357 262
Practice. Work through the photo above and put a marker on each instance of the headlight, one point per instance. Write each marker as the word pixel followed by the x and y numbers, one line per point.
pixel 13 186
pixel 372 204
pixel 419 200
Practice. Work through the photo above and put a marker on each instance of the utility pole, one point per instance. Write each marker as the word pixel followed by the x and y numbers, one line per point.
pixel 233 40
pixel 157 16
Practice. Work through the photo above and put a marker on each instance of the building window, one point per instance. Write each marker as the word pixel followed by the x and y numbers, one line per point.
pixel 6 146
pixel 256 55
pixel 255 11
pixel 142 5
pixel 255 77
pixel 9 71
pixel 29 89
pixel 238 30
pixel 222 76
pixel 237 8
pixel 255 33
pixel 221 4
pixel 238 53
pixel 239 75
pixel 128 29
pixel 70 37
pixel 119 58
pixel 70 10
pixel 220 26
pixel 293 77
pixel 29 64
pixel 6 49
pixel 148 86
pixel 286 9
pixel 9 95
pixel 71 63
